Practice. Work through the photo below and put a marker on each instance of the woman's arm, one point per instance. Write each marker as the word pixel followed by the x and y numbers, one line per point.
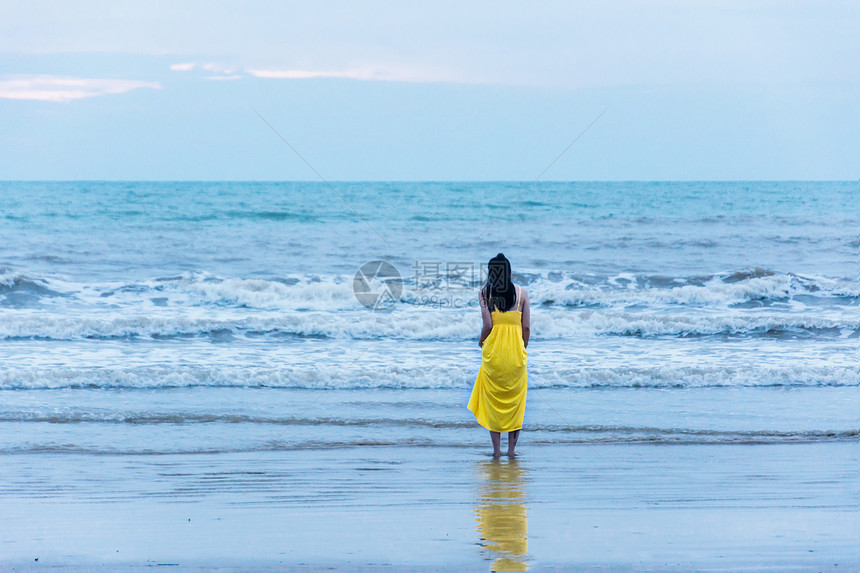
pixel 486 319
pixel 527 317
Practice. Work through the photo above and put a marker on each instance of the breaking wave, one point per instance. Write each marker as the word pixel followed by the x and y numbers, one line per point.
pixel 419 324
pixel 335 292
pixel 395 376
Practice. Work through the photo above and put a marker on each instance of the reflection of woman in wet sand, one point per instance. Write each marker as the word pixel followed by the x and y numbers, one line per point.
pixel 501 515
pixel 499 396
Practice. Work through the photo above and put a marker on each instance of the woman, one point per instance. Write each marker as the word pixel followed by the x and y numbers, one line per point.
pixel 499 395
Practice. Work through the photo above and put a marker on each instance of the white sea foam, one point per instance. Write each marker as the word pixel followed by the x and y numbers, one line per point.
pixel 329 293
pixel 715 292
pixel 420 324
pixel 335 292
pixel 336 375
pixel 750 303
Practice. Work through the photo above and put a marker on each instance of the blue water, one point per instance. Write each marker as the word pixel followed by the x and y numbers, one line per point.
pixel 270 230
pixel 129 308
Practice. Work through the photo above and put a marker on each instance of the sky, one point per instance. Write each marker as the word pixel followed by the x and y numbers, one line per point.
pixel 662 90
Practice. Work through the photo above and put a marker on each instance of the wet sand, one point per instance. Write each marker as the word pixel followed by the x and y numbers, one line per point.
pixel 787 507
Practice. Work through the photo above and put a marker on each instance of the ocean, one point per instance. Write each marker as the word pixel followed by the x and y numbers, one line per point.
pixel 156 318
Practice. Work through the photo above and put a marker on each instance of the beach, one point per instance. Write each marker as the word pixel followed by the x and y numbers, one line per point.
pixel 400 483
pixel 630 507
pixel 222 389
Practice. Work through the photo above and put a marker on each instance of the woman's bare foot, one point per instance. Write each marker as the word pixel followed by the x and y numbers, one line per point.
pixel 512 443
pixel 496 440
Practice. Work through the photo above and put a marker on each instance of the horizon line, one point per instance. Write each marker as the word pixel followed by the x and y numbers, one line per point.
pixel 309 180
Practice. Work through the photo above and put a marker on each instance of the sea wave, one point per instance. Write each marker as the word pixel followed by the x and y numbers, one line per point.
pixel 752 302
pixel 338 376
pixel 457 436
pixel 717 291
pixel 335 292
pixel 594 431
pixel 421 324
pixel 18 289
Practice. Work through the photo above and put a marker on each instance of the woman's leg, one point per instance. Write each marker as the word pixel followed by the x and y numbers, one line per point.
pixel 496 438
pixel 512 442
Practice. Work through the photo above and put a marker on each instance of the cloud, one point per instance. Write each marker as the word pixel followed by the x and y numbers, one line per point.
pixel 212 67
pixel 184 67
pixel 367 74
pixel 218 68
pixel 65 89
pixel 216 71
pixel 219 71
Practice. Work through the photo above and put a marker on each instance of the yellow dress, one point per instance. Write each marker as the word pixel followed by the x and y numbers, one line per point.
pixel 498 398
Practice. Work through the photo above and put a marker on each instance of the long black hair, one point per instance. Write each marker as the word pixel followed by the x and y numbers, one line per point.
pixel 499 292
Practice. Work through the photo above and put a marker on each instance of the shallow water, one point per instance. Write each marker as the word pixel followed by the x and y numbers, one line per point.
pixel 623 507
